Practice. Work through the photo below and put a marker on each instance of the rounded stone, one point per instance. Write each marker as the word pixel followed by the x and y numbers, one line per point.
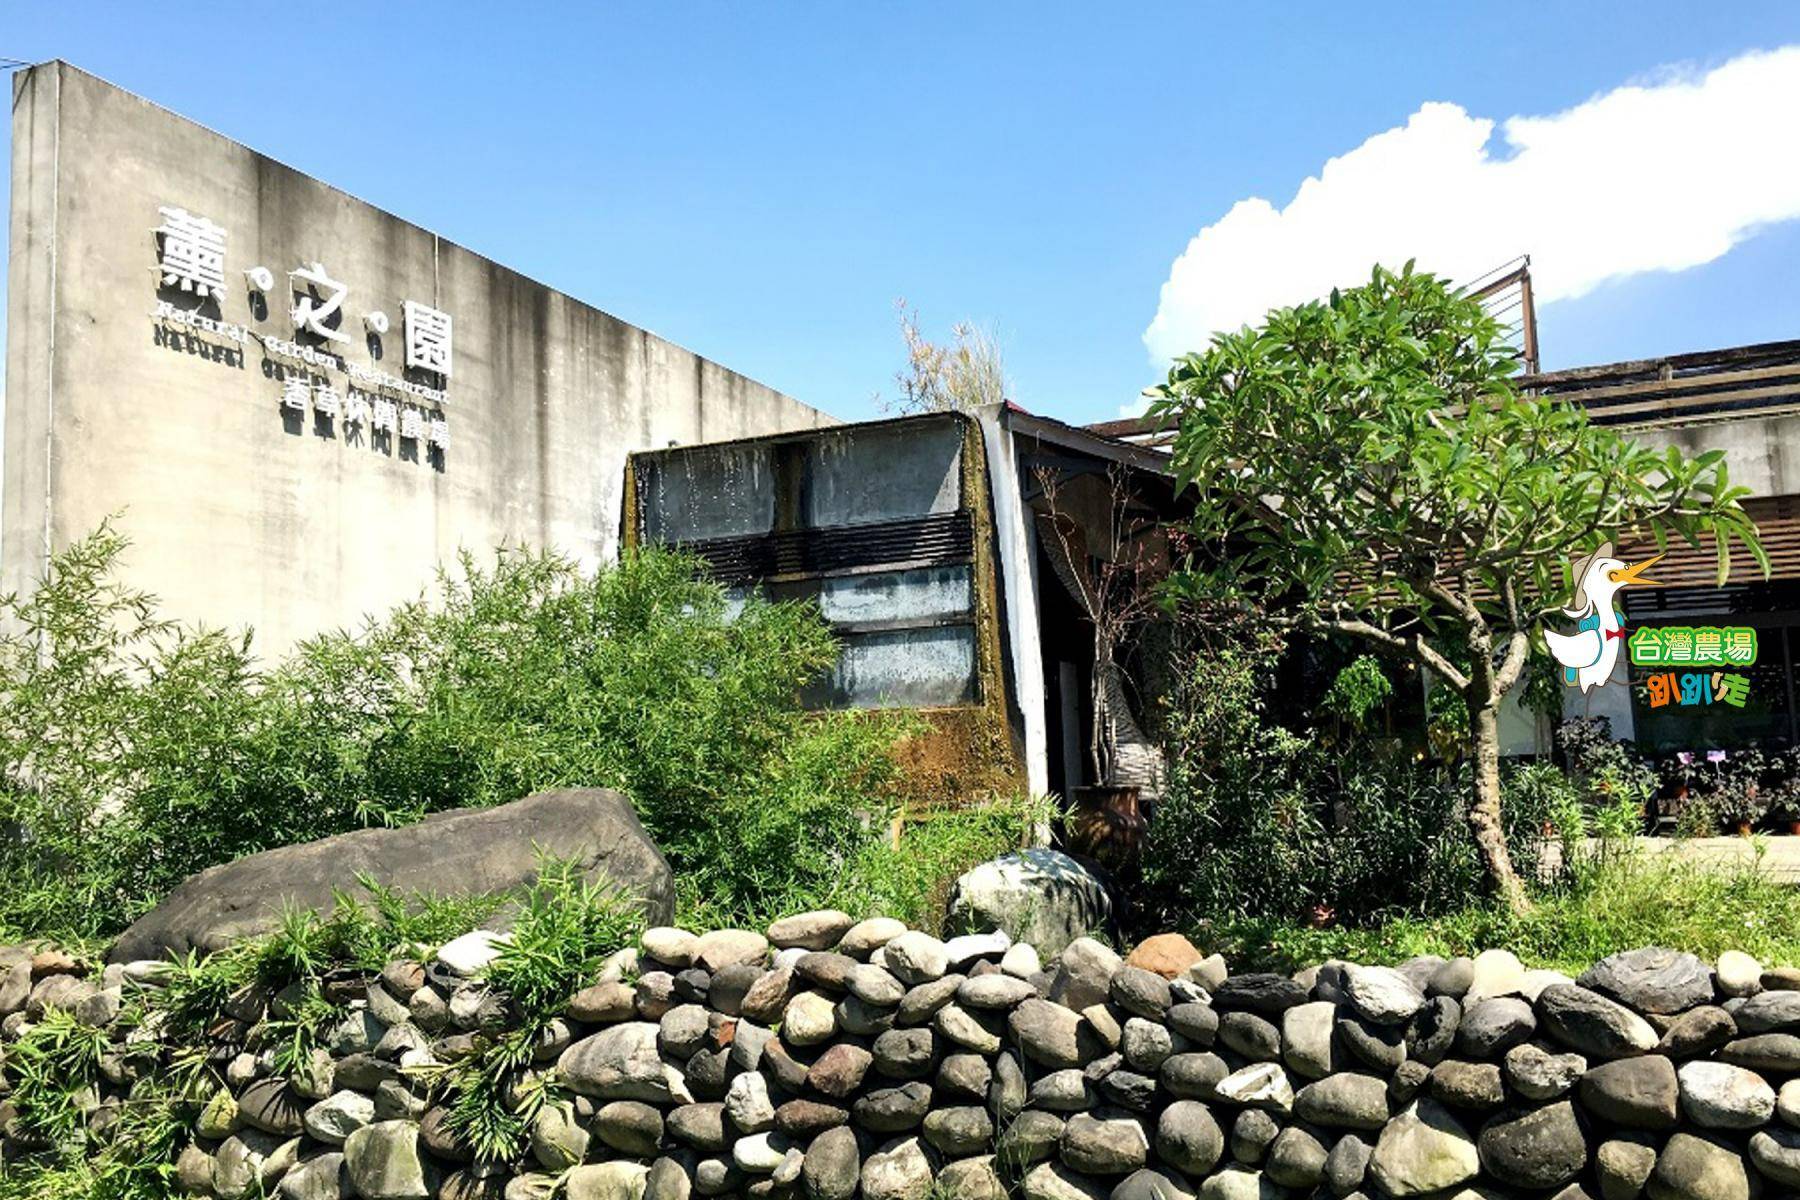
pixel 1492 1027
pixel 748 1105
pixel 874 985
pixel 1654 979
pixel 1635 1093
pixel 905 1053
pixel 1347 1165
pixel 997 991
pixel 809 1019
pixel 1053 1181
pixel 1306 1038
pixel 893 1110
pixel 971 1030
pixel 1345 1101
pixel 1140 992
pixel 1538 1149
pixel 1101 1144
pixel 1698 1032
pixel 1050 1034
pixel 630 1126
pixel 1196 1022
pixel 1467 1085
pixel 1150 1184
pixel 833 1165
pixel 900 1170
pixel 1770 1012
pixel 338 1116
pixel 1431 1033
pixel 1192 1076
pixel 840 1070
pixel 1188 1138
pixel 812 931
pixel 1717 1095
pixel 724 947
pixel 666 944
pixel 1252 1036
pixel 606 1181
pixel 1691 1167
pixel 1586 1021
pixel 1737 974
pixel 1251 1135
pixel 1382 995
pixel 701 1126
pixel 916 958
pixel 959 1131
pixel 386 1162
pixel 1380 1047
pixel 1622 1167
pixel 1166 954
pixel 1775 1153
pixel 1537 1074
pixel 1296 1159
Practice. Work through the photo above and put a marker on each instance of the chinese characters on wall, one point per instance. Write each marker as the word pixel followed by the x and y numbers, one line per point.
pixel 191 259
pixel 1693 648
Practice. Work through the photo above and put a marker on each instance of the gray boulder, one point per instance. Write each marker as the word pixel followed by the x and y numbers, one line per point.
pixel 1039 896
pixel 1539 1149
pixel 464 850
pixel 1698 1168
pixel 1652 980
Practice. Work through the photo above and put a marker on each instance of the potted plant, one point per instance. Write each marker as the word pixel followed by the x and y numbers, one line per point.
pixel 1783 791
pixel 1737 794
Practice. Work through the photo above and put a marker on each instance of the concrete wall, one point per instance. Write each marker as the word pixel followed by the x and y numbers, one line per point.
pixel 242 513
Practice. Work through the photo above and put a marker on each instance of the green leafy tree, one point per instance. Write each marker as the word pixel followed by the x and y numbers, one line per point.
pixel 1366 466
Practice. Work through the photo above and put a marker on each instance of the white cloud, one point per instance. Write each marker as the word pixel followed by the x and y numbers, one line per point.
pixel 1655 177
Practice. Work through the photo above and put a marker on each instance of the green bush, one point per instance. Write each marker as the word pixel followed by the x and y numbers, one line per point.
pixel 1263 820
pixel 134 752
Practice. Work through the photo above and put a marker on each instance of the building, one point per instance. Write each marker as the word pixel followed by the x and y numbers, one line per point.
pixel 941 547
pixel 1744 402
pixel 299 406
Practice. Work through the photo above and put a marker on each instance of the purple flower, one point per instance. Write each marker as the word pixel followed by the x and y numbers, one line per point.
pixel 1715 756
pixel 1686 757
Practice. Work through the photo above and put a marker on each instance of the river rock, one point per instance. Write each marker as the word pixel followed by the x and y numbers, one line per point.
pixel 1423 1150
pixel 1588 1022
pixel 1537 1149
pixel 1717 1095
pixel 1652 980
pixel 1691 1167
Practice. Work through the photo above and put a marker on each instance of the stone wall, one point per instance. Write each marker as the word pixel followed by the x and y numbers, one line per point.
pixel 827 1058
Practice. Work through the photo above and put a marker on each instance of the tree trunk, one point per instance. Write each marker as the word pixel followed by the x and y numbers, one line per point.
pixel 1484 814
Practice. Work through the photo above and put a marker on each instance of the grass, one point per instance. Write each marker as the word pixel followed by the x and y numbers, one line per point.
pixel 1617 901
pixel 910 880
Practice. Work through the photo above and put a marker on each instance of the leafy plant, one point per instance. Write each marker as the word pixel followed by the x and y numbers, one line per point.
pixel 565 928
pixel 1365 466
pixel 134 752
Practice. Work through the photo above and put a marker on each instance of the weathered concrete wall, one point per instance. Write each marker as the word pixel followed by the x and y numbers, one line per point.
pixel 241 512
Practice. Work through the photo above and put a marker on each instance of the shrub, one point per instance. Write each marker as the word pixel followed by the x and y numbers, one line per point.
pixel 134 751
pixel 1263 820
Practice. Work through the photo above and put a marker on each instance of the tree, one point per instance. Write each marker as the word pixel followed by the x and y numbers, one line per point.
pixel 960 377
pixel 1366 466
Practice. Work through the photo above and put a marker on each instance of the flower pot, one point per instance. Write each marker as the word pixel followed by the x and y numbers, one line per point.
pixel 1742 829
pixel 1107 825
pixel 1794 827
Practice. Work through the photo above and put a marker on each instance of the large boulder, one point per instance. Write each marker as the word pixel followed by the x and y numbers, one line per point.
pixel 465 850
pixel 1039 896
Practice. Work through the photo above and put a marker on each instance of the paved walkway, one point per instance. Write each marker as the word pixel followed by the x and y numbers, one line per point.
pixel 1781 861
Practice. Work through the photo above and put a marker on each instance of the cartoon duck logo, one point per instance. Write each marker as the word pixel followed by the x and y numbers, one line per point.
pixel 1589 655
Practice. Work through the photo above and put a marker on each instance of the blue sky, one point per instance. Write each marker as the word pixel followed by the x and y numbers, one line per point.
pixel 762 182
